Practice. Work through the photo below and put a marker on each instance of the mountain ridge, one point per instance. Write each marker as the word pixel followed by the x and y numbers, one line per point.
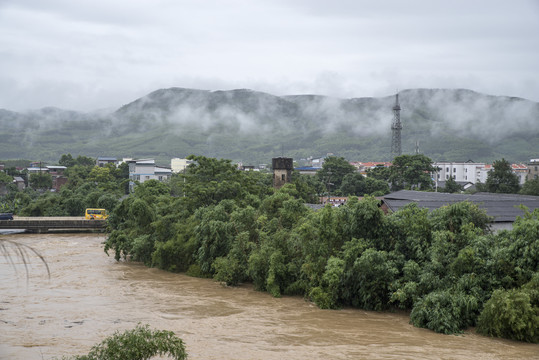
pixel 253 126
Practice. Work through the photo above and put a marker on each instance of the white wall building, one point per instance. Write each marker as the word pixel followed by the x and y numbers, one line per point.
pixel 474 172
pixel 460 171
pixel 177 165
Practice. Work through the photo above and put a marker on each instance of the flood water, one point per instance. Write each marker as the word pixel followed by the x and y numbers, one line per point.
pixel 89 296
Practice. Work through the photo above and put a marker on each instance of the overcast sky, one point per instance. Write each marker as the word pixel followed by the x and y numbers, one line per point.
pixel 92 54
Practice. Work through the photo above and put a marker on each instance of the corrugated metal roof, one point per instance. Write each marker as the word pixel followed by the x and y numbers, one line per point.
pixel 503 207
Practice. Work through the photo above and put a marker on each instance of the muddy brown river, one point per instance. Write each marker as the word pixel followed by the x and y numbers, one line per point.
pixel 90 296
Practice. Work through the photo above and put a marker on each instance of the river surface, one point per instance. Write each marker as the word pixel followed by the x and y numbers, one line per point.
pixel 89 296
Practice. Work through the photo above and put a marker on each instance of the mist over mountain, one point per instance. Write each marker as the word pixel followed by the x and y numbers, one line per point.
pixel 252 127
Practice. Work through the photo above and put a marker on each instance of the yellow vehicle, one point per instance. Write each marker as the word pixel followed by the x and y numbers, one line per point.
pixel 96 214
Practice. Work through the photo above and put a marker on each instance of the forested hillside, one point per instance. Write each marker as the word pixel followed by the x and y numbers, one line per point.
pixel 253 127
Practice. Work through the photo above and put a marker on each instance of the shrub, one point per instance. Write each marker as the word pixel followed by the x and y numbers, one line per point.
pixel 510 314
pixel 138 344
pixel 445 311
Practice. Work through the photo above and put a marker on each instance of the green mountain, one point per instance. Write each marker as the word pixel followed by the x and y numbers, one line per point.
pixel 253 127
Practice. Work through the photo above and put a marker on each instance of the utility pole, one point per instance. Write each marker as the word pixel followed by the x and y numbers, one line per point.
pixel 396 128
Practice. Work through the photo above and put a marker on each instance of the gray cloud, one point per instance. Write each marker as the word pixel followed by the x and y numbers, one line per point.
pixel 86 55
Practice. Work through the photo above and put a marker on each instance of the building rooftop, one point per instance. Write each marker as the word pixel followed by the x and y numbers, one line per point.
pixel 503 207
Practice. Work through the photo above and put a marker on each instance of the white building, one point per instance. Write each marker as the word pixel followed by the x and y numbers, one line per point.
pixel 144 170
pixel 177 165
pixel 460 171
pixel 473 172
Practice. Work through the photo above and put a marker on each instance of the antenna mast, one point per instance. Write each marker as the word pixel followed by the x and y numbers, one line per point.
pixel 396 128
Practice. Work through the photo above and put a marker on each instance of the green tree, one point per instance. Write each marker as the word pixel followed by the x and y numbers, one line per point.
pixel 512 314
pixel 5 179
pixel 358 185
pixel 451 186
pixel 501 178
pixel 530 187
pixel 334 170
pixel 85 160
pixel 103 177
pixel 141 343
pixel 41 181
pixel 379 173
pixel 411 172
pixel 67 160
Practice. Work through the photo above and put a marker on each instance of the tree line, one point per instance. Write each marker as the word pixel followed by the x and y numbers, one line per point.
pixel 88 186
pixel 445 267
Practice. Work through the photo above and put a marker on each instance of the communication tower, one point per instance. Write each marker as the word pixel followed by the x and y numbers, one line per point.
pixel 396 128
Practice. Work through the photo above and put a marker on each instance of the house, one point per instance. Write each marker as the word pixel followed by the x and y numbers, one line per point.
pixel 103 161
pixel 177 164
pixel 308 170
pixel 504 208
pixel 521 171
pixel 144 170
pixel 19 181
pixel 36 170
pixel 56 172
pixel 473 172
pixel 468 171
pixel 58 177
pixel 533 169
pixel 334 200
pixel 247 167
pixel 465 184
pixel 362 167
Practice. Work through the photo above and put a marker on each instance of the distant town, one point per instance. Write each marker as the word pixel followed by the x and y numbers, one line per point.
pixel 467 173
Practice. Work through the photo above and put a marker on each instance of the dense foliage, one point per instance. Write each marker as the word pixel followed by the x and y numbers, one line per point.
pixel 141 343
pixel 501 178
pixel 444 266
pixel 88 186
pixel 411 172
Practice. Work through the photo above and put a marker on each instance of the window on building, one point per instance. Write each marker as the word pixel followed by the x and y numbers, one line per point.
pixel 283 177
pixel 447 177
pixel 447 169
pixel 147 177
pixel 454 177
pixel 160 178
pixel 454 169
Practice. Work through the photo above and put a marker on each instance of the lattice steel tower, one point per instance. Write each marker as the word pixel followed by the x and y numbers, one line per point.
pixel 396 128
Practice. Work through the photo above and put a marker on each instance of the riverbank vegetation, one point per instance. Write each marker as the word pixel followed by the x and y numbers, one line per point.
pixel 140 343
pixel 216 221
pixel 445 267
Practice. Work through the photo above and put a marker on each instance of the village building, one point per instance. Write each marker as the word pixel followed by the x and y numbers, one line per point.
pixel 533 169
pixel 102 161
pixel 178 164
pixel 144 170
